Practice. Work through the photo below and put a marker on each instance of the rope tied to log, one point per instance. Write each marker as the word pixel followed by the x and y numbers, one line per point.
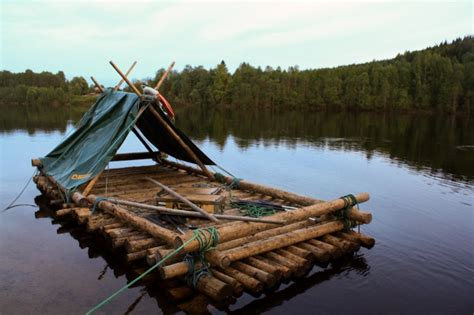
pixel 223 179
pixel 207 241
pixel 96 202
pixel 343 214
pixel 253 210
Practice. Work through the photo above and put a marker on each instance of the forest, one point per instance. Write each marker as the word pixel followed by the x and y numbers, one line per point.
pixel 439 78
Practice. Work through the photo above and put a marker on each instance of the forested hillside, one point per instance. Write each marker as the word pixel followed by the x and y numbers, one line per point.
pixel 440 78
pixel 437 78
pixel 45 88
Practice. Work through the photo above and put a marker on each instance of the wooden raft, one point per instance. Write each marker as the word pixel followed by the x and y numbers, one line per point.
pixel 250 256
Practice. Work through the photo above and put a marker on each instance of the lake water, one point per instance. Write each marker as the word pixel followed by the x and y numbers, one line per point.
pixel 418 169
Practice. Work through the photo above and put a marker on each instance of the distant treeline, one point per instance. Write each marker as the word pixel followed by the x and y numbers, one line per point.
pixel 440 78
pixel 45 88
pixel 436 78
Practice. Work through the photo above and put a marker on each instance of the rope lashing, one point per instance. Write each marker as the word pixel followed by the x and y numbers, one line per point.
pixel 207 239
pixel 253 210
pixel 343 214
pixel 199 235
pixel 235 183
pixel 96 202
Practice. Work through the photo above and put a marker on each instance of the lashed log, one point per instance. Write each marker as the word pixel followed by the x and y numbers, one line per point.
pixel 266 278
pixel 137 221
pixel 238 230
pixel 237 287
pixel 251 284
pixel 186 213
pixel 354 214
pixel 363 240
pixel 184 200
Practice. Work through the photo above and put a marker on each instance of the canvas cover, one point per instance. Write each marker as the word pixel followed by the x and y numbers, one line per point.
pixel 101 132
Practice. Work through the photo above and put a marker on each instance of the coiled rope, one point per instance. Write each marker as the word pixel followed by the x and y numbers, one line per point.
pixel 207 238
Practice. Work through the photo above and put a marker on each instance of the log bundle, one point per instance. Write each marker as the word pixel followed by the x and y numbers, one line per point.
pixel 248 257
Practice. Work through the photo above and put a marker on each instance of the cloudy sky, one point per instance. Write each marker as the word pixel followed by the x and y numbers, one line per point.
pixel 80 37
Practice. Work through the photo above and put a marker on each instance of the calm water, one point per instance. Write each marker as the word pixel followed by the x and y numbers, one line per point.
pixel 419 171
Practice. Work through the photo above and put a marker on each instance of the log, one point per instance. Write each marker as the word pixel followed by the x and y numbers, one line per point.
pixel 265 234
pixel 186 213
pixel 300 252
pixel 213 287
pixel 262 265
pixel 319 254
pixel 120 241
pixel 267 279
pixel 334 251
pixel 363 240
pixel 117 87
pixel 279 241
pixel 278 259
pixel 137 221
pixel 163 252
pixel 93 225
pixel 249 283
pixel 344 245
pixel 64 212
pixel 184 200
pixel 238 230
pixel 284 270
pixel 354 214
pixel 303 264
pixel 142 244
pixel 136 256
pixel 237 287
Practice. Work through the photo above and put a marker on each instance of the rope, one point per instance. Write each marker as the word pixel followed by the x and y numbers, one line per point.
pixel 253 210
pixel 197 235
pixel 96 202
pixel 343 214
pixel 12 204
pixel 206 243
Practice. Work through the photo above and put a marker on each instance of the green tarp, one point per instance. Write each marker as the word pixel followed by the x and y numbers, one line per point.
pixel 101 132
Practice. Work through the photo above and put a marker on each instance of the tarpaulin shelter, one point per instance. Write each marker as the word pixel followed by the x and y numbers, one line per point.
pixel 101 131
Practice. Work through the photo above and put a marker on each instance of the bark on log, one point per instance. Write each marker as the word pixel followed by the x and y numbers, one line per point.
pixel 334 251
pixel 346 246
pixel 262 265
pixel 279 241
pixel 237 287
pixel 363 240
pixel 143 244
pixel 251 284
pixel 138 222
pixel 354 214
pixel 319 254
pixel 213 287
pixel 284 270
pixel 238 230
pixel 267 279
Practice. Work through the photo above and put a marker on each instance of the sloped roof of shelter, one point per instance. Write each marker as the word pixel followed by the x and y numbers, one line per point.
pixel 101 132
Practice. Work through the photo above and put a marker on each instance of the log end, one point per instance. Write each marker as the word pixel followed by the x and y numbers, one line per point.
pixel 36 163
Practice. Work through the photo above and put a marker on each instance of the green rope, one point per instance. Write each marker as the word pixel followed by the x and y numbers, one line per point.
pixel 343 214
pixel 206 243
pixel 255 211
pixel 198 234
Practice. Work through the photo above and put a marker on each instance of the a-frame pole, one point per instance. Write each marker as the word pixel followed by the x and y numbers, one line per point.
pixel 167 127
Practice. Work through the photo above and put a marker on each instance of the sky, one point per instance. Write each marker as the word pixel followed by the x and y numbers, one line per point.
pixel 80 37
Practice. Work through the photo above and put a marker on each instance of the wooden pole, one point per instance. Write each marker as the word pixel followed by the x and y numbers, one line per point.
pixel 126 74
pixel 354 214
pixel 178 139
pixel 137 221
pixel 238 230
pixel 130 84
pixel 163 77
pixel 184 200
pixel 101 89
pixel 186 213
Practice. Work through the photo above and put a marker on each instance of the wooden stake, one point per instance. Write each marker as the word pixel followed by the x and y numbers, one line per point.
pixel 101 89
pixel 186 213
pixel 181 142
pixel 130 84
pixel 184 200
pixel 163 77
pixel 126 74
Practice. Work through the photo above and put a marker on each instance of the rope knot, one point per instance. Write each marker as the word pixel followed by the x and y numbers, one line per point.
pixel 343 214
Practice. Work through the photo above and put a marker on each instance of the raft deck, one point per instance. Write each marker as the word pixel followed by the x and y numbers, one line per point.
pixel 238 256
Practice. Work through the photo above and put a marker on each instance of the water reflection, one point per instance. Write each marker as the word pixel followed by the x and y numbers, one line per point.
pixel 439 144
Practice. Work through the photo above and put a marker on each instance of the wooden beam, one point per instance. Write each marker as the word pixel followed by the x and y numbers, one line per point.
pixel 130 84
pixel 126 74
pixel 184 200
pixel 163 77
pixel 101 89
